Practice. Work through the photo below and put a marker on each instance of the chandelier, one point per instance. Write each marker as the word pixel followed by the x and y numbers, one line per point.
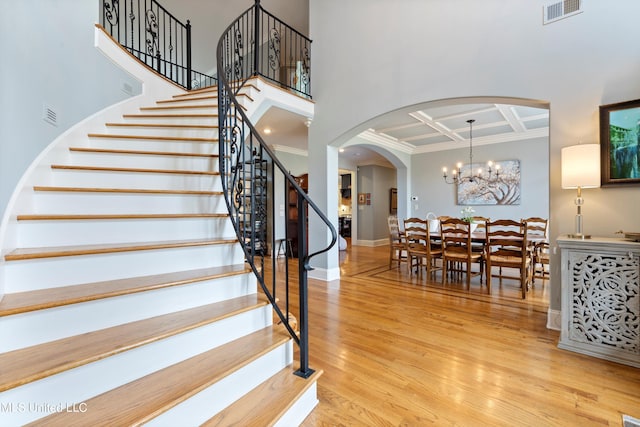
pixel 457 178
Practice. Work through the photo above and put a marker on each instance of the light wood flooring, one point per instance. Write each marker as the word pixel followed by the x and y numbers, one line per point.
pixel 399 351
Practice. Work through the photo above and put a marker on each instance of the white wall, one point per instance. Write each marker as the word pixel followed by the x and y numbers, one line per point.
pixel 375 56
pixel 49 58
pixel 372 219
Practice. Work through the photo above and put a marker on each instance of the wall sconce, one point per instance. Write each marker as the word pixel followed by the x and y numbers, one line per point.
pixel 580 169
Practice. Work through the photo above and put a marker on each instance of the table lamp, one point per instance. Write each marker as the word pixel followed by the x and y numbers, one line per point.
pixel 580 169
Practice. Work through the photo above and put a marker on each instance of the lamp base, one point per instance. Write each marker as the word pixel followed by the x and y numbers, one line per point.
pixel 579 236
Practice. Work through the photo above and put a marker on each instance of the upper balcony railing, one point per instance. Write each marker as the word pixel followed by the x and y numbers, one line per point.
pixel 155 37
pixel 271 48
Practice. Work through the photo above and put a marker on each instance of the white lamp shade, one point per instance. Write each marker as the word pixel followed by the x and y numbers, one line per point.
pixel 581 166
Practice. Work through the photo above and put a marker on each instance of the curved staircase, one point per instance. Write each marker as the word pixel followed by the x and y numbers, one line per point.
pixel 127 299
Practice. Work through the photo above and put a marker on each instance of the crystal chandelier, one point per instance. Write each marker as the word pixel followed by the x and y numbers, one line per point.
pixel 457 178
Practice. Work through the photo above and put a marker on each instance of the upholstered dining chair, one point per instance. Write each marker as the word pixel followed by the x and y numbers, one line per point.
pixel 507 246
pixel 397 242
pixel 457 250
pixel 422 250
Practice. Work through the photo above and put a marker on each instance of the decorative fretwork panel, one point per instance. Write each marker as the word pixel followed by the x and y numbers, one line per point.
pixel 605 300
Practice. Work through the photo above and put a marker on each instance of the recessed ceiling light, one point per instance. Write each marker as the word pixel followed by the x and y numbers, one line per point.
pixel 267 130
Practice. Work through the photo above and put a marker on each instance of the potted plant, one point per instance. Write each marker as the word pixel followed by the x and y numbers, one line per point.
pixel 467 216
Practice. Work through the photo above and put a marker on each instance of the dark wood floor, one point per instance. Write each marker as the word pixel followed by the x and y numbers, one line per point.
pixel 399 351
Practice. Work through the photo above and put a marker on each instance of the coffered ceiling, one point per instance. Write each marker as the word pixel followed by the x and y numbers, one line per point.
pixel 434 128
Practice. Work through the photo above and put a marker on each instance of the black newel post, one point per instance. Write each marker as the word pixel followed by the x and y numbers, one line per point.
pixel 303 267
pixel 256 37
pixel 188 27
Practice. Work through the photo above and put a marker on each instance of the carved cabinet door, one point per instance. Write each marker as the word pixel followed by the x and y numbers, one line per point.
pixel 601 304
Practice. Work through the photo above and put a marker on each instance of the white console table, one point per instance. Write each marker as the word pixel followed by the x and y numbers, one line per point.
pixel 601 298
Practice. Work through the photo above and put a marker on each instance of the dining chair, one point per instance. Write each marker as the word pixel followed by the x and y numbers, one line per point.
pixel 507 246
pixel 481 228
pixel 421 247
pixel 537 229
pixel 457 250
pixel 397 242
pixel 541 262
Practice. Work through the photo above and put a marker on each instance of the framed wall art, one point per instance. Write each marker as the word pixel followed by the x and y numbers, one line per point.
pixel 484 190
pixel 620 143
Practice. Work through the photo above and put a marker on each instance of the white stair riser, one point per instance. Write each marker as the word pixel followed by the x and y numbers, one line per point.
pixel 45 273
pixel 145 161
pixel 153 145
pixel 199 99
pixel 175 109
pixel 140 180
pixel 28 329
pixel 301 408
pixel 199 408
pixel 48 202
pixel 157 131
pixel 143 118
pixel 33 234
pixel 250 88
pixel 79 384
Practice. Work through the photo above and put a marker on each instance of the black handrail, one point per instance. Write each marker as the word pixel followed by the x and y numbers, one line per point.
pixel 249 171
pixel 154 36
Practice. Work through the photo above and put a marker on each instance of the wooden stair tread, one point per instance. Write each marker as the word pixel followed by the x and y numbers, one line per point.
pixel 40 361
pixel 202 97
pixel 249 83
pixel 162 125
pixel 265 404
pixel 142 400
pixel 185 107
pixel 126 190
pixel 191 97
pixel 74 250
pixel 74 217
pixel 22 302
pixel 170 116
pixel 198 91
pixel 151 137
pixel 172 107
pixel 136 170
pixel 143 152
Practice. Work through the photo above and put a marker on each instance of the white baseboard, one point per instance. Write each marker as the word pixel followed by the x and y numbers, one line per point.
pixel 326 275
pixel 554 319
pixel 372 243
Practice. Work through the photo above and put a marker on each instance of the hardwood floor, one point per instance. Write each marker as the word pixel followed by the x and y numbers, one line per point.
pixel 398 351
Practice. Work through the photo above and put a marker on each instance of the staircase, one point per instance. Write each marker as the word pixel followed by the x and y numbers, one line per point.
pixel 127 299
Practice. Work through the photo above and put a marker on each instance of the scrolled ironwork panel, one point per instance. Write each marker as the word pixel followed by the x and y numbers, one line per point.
pixel 305 70
pixel 112 12
pixel 605 300
pixel 151 28
pixel 274 49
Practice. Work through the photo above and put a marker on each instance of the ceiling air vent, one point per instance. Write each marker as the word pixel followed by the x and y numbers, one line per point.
pixel 560 10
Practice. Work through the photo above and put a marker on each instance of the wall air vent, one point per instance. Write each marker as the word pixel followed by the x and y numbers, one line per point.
pixel 49 115
pixel 553 12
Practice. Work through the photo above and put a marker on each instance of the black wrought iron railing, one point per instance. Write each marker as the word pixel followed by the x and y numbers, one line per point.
pixel 155 37
pixel 265 46
pixel 253 178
